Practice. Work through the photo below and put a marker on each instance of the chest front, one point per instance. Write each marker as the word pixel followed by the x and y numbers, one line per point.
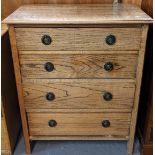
pixel 78 73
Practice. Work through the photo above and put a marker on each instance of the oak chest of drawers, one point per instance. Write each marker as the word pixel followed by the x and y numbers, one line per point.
pixel 78 70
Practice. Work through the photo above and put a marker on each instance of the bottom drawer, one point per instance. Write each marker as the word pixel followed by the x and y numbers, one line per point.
pixel 76 124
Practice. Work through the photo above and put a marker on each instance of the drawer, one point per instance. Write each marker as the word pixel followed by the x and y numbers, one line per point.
pixel 79 66
pixel 78 38
pixel 76 124
pixel 79 94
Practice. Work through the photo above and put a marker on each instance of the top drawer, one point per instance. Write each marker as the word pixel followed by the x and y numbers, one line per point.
pixel 78 38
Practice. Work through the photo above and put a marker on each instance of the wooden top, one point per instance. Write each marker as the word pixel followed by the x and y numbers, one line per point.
pixel 78 14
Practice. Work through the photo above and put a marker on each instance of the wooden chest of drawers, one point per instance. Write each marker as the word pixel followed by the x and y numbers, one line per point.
pixel 78 70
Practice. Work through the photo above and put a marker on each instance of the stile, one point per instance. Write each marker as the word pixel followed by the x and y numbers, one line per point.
pixel 19 88
pixel 138 86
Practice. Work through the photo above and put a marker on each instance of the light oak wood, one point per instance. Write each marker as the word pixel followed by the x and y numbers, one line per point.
pixel 78 137
pixel 78 66
pixel 19 88
pixel 79 124
pixel 5 147
pixel 77 52
pixel 138 86
pixel 64 1
pixel 4 29
pixel 79 94
pixel 5 152
pixel 79 29
pixel 116 25
pixel 78 14
pixel 9 101
pixel 8 6
pixel 80 110
pixel 138 2
pixel 78 38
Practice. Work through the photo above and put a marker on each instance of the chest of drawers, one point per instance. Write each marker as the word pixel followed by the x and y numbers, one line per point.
pixel 78 70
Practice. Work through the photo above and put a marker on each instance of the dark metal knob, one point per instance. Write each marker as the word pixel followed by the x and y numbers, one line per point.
pixel 108 66
pixel 50 96
pixel 110 40
pixel 49 67
pixel 46 39
pixel 106 123
pixel 107 96
pixel 52 123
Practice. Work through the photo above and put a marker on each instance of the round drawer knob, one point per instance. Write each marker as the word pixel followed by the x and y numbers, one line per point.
pixel 106 123
pixel 50 96
pixel 49 67
pixel 108 66
pixel 110 40
pixel 107 96
pixel 52 123
pixel 46 39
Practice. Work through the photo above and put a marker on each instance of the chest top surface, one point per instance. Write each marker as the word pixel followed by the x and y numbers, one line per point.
pixel 78 14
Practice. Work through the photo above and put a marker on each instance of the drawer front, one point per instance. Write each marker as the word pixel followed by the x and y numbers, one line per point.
pixel 106 124
pixel 78 38
pixel 78 66
pixel 79 94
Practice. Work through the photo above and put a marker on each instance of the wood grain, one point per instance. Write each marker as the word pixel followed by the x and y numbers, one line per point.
pixel 147 149
pixel 78 14
pixel 147 6
pixel 19 88
pixel 79 94
pixel 136 2
pixel 4 29
pixel 110 52
pixel 78 66
pixel 65 1
pixel 9 6
pixel 136 25
pixel 138 86
pixel 5 146
pixel 78 38
pixel 10 109
pixel 79 124
pixel 51 110
pixel 103 137
pixel 83 32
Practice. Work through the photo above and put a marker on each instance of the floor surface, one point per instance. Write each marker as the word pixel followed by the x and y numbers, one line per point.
pixel 77 148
